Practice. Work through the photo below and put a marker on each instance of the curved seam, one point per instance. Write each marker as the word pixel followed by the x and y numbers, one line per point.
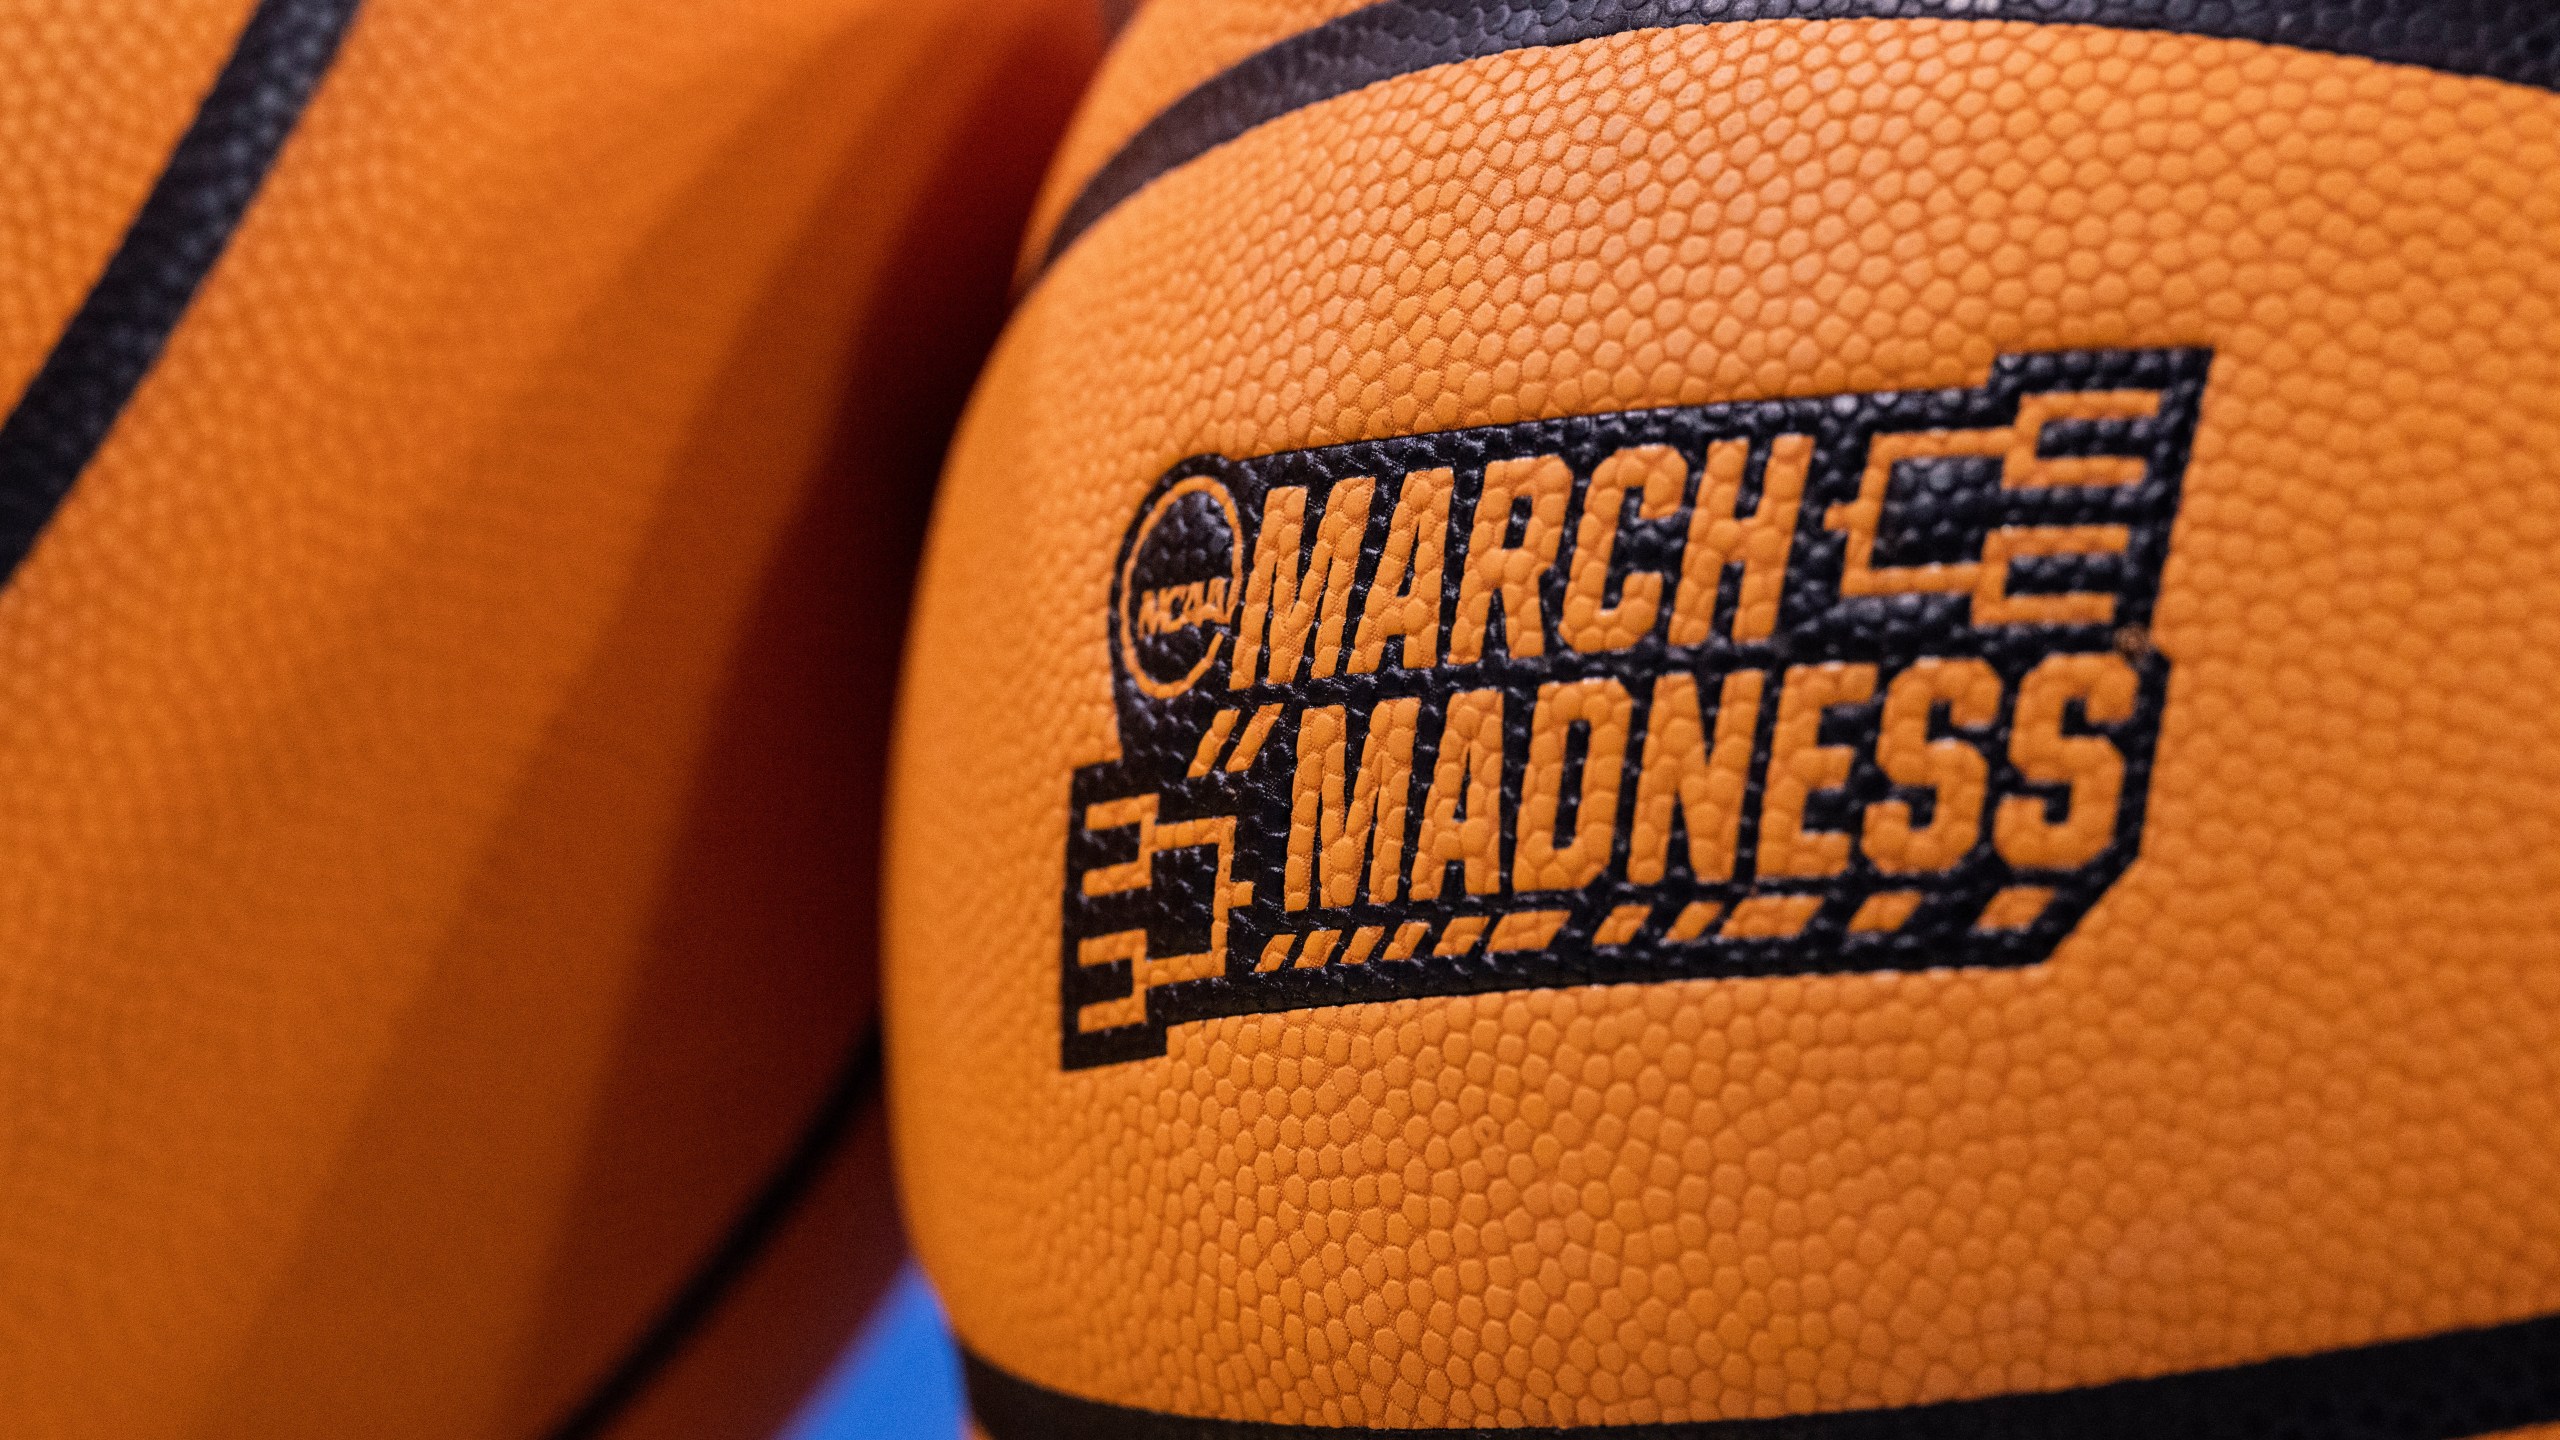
pixel 2445 1386
pixel 2516 41
pixel 183 227
pixel 72 404
pixel 739 1247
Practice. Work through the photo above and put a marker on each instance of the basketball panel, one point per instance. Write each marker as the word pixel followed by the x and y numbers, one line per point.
pixel 2264 1099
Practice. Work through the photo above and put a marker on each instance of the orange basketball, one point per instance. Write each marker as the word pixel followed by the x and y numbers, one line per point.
pixel 456 500
pixel 1824 718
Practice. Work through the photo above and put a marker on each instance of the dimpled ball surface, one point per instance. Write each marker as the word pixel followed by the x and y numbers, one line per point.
pixel 440 730
pixel 2288 1088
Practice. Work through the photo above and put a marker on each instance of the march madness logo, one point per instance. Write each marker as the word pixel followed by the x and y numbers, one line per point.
pixel 1859 682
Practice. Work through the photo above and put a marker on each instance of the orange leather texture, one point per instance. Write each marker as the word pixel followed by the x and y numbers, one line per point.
pixel 2288 1088
pixel 91 111
pixel 443 724
pixel 1164 50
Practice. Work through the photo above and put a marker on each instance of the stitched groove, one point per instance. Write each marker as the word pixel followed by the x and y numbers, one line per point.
pixel 2512 40
pixel 183 227
pixel 2437 1387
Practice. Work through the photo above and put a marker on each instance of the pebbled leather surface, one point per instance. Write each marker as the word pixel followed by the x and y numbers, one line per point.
pixel 1250 60
pixel 422 929
pixel 2281 1092
pixel 1161 53
pixel 2513 40
pixel 2467 1383
pixel 213 173
pixel 91 111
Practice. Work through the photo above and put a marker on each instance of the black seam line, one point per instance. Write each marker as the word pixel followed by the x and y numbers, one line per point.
pixel 855 1086
pixel 2512 40
pixel 2438 1387
pixel 180 231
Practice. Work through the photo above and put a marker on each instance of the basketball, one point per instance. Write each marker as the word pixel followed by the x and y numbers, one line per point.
pixel 1754 719
pixel 457 502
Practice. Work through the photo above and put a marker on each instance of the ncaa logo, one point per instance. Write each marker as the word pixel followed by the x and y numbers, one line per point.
pixel 1179 576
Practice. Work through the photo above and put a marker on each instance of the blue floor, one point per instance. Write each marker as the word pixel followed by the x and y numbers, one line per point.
pixel 900 1378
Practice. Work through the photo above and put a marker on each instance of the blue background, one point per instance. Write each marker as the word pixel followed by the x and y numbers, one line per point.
pixel 900 1377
